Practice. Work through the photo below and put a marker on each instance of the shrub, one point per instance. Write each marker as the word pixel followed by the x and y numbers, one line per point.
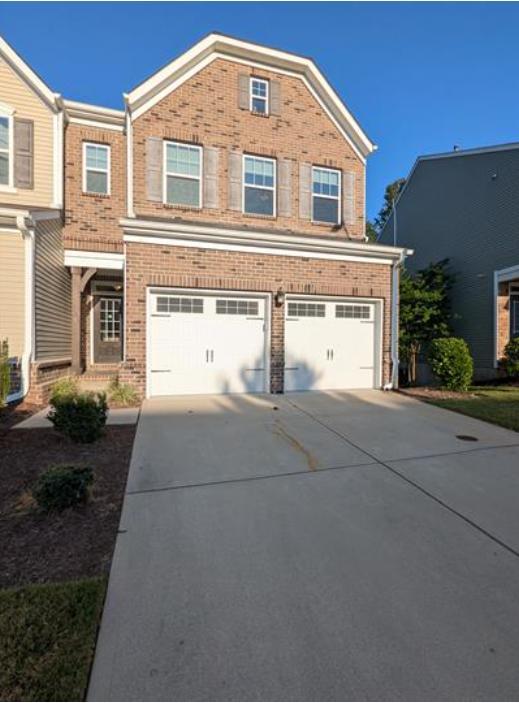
pixel 451 362
pixel 81 417
pixel 5 372
pixel 63 487
pixel 512 357
pixel 122 393
pixel 64 388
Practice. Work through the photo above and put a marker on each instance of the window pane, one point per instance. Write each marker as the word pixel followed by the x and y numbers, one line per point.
pixel 258 201
pixel 182 159
pixel 326 210
pixel 97 182
pixel 183 191
pixel 4 169
pixel 325 182
pixel 259 105
pixel 259 172
pixel 259 88
pixel 96 157
pixel 4 133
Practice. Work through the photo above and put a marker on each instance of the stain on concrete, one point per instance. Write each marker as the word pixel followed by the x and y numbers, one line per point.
pixel 282 432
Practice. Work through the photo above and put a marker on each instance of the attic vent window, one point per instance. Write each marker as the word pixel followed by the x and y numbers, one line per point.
pixel 259 95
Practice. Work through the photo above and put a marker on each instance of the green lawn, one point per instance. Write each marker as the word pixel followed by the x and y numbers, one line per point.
pixel 47 639
pixel 496 404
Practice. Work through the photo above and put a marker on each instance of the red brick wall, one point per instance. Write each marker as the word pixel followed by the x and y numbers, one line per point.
pixel 92 221
pixel 204 110
pixel 201 268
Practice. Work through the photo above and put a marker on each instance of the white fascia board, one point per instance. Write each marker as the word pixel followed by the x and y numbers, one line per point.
pixel 277 241
pixel 507 274
pixel 94 115
pixel 94 259
pixel 171 76
pixel 30 77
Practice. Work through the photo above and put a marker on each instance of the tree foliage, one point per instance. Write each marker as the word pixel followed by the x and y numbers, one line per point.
pixel 425 312
pixel 5 372
pixel 390 195
pixel 371 231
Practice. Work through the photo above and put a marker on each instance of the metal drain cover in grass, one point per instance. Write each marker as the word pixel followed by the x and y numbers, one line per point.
pixel 467 438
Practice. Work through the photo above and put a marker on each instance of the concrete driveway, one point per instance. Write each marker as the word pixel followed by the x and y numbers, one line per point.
pixel 316 546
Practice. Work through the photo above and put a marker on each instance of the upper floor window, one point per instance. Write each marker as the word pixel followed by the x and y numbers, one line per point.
pixel 326 195
pixel 96 168
pixel 6 150
pixel 259 95
pixel 182 174
pixel 259 185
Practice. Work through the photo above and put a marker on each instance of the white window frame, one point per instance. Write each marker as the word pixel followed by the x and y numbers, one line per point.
pixel 329 197
pixel 247 185
pixel 8 113
pixel 181 175
pixel 266 98
pixel 108 169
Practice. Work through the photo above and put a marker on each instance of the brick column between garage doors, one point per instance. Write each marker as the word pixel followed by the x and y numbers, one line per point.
pixel 184 267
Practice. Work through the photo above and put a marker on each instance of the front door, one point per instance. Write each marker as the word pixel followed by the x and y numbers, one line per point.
pixel 107 330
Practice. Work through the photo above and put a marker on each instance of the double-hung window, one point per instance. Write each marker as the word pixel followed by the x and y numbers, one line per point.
pixel 326 195
pixel 6 150
pixel 183 174
pixel 259 186
pixel 259 96
pixel 96 168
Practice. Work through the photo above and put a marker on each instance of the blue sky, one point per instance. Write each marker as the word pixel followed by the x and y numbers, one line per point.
pixel 420 77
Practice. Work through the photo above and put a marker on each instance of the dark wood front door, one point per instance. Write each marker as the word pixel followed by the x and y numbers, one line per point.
pixel 108 329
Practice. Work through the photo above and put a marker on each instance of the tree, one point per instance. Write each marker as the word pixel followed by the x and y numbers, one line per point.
pixel 5 372
pixel 425 312
pixel 371 232
pixel 390 195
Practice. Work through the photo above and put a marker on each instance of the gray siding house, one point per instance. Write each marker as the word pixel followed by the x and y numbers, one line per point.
pixel 464 205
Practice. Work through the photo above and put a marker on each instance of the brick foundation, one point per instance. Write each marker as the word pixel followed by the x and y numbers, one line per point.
pixel 155 265
pixel 43 375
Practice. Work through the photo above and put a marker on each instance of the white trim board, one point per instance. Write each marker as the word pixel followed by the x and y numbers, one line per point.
pixel 94 259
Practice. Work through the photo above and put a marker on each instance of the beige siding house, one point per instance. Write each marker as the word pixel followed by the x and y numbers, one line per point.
pixel 34 284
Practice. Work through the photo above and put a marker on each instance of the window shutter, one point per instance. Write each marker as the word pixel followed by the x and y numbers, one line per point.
pixel 305 191
pixel 348 189
pixel 285 188
pixel 210 157
pixel 154 156
pixel 235 180
pixel 24 153
pixel 275 97
pixel 243 91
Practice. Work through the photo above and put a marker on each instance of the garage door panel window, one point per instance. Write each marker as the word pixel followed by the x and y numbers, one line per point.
pixel 353 312
pixel 259 186
pixel 183 169
pixel 177 304
pixel 326 195
pixel 306 310
pixel 237 307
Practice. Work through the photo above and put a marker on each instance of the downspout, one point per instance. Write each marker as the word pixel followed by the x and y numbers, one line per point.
pixel 25 226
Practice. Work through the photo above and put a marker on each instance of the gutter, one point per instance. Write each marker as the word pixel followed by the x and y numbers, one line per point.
pixel 395 301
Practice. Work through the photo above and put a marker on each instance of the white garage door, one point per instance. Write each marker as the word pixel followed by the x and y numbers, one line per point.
pixel 205 344
pixel 330 344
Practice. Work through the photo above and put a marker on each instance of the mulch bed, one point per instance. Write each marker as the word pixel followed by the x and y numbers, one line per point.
pixel 428 393
pixel 36 547
pixel 16 412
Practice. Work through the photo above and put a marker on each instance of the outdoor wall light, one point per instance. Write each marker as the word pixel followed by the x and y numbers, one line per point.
pixel 279 298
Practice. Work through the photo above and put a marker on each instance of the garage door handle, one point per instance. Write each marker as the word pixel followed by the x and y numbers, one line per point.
pixel 254 369
pixel 161 371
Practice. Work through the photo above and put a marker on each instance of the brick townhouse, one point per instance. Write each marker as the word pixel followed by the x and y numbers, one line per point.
pixel 213 231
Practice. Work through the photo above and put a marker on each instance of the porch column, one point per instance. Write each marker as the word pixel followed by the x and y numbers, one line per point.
pixel 76 272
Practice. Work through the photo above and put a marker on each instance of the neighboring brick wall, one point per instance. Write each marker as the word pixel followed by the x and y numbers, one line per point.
pixel 42 379
pixel 91 221
pixel 503 318
pixel 200 268
pixel 204 110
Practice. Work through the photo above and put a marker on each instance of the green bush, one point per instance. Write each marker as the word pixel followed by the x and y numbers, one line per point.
pixel 64 388
pixel 451 362
pixel 512 357
pixel 122 393
pixel 81 417
pixel 63 487
pixel 5 372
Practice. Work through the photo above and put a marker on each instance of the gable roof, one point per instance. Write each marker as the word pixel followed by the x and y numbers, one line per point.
pixel 215 45
pixel 29 75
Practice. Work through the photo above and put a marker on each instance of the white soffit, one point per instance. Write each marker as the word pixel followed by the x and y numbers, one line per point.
pixel 94 259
